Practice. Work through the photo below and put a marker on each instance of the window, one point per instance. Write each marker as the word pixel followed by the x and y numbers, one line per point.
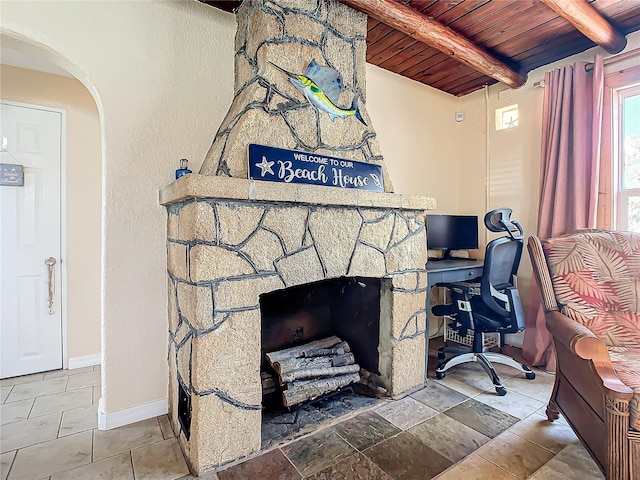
pixel 507 117
pixel 626 155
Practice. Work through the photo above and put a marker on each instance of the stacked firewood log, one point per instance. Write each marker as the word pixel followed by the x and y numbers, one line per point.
pixel 308 371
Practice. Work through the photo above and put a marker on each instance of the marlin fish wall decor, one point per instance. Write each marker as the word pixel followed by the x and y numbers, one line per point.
pixel 321 86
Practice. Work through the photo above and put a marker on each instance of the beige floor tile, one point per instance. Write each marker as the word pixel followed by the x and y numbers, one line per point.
pixel 29 432
pixel 160 461
pixel 513 403
pixel 470 379
pixel 543 413
pixel 52 457
pixel 113 468
pixel 36 389
pixel 474 467
pixel 108 443
pixel 406 412
pixel 62 373
pixel 165 426
pixel 59 402
pixel 78 420
pixel 572 463
pixel 6 459
pixel 4 393
pixel 20 380
pixel 539 388
pixel 87 379
pixel 552 436
pixel 97 393
pixel 15 411
pixel 515 454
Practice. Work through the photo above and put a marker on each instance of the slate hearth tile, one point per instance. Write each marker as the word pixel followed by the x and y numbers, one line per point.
pixel 449 437
pixel 355 467
pixel 404 457
pixel 366 430
pixel 271 465
pixel 482 418
pixel 315 453
pixel 439 396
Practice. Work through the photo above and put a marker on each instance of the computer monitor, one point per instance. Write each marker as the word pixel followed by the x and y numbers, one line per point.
pixel 452 232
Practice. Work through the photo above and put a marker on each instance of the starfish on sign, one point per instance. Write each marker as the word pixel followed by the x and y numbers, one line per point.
pixel 265 167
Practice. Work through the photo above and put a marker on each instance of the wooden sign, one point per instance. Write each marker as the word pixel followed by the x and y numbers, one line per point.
pixel 11 175
pixel 292 166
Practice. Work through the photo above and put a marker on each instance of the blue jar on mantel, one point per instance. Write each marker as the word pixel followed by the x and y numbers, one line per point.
pixel 184 169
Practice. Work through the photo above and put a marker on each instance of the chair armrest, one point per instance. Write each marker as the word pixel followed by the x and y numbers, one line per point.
pixel 583 343
pixel 541 273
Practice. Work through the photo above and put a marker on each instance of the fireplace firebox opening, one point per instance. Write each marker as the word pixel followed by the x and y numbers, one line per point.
pixel 344 307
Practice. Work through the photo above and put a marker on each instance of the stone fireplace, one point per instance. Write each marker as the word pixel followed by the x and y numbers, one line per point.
pixel 231 240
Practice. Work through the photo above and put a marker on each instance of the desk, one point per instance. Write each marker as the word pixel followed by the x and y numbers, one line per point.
pixel 440 271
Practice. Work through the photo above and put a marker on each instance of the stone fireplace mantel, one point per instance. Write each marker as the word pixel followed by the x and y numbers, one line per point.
pixel 206 186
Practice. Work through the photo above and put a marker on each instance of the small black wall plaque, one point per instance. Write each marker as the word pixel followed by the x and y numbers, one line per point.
pixel 11 175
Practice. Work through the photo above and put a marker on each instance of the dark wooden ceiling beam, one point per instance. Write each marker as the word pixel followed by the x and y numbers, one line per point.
pixel 590 23
pixel 434 34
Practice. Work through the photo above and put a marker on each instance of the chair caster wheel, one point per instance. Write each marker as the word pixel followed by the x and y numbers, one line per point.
pixel 440 375
pixel 501 391
pixel 530 375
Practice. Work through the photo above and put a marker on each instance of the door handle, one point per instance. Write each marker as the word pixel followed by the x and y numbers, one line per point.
pixel 50 263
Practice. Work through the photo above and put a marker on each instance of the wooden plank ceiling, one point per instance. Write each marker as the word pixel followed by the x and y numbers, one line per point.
pixel 520 34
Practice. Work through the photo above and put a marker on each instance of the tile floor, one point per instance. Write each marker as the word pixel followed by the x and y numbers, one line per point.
pixel 456 428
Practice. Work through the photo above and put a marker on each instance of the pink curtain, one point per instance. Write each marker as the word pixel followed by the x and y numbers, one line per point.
pixel 570 162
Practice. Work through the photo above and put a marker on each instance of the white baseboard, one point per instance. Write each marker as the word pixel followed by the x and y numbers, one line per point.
pixel 85 361
pixel 107 421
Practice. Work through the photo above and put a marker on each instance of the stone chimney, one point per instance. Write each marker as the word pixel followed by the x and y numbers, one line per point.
pixel 267 108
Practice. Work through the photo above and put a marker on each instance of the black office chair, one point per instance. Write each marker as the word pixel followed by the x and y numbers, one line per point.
pixel 492 305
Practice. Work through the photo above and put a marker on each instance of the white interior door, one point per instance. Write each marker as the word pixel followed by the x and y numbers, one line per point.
pixel 30 331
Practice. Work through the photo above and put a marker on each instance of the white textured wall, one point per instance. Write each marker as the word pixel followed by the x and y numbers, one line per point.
pixel 161 74
pixel 418 135
pixel 83 192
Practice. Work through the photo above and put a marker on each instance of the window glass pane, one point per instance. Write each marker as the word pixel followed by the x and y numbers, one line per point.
pixel 630 144
pixel 633 214
pixel 507 117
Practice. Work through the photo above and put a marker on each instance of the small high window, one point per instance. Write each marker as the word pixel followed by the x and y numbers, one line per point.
pixel 507 117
